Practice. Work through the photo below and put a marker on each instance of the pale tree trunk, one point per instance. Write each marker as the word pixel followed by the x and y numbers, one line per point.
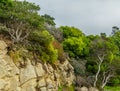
pixel 106 77
pixel 99 69
pixel 18 35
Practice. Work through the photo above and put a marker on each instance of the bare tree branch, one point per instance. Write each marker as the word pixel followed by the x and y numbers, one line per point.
pixel 99 69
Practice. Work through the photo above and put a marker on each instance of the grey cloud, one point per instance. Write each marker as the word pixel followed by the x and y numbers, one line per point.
pixel 92 16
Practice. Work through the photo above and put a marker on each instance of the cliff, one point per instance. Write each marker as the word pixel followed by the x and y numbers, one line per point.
pixel 39 77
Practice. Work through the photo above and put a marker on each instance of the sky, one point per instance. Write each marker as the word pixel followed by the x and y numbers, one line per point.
pixel 90 16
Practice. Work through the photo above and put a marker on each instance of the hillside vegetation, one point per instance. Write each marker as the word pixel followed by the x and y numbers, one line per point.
pixel 95 58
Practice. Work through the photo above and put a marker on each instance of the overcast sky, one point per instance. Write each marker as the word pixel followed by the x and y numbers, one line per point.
pixel 91 16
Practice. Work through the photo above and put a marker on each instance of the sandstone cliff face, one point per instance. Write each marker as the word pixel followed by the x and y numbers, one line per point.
pixel 41 77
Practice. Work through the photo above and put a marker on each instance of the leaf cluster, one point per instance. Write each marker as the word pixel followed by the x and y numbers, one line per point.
pixel 41 43
pixel 75 42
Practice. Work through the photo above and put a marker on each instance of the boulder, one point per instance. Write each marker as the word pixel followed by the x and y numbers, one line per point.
pixel 27 73
pixel 43 89
pixel 93 89
pixel 84 89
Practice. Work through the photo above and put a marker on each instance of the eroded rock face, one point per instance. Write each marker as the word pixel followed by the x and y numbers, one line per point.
pixel 40 77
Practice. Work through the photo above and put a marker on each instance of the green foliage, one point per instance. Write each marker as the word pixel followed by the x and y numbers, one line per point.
pixel 60 88
pixel 5 1
pixel 59 47
pixel 27 13
pixel 112 88
pixel 5 6
pixel 116 39
pixel 21 11
pixel 3 30
pixel 74 46
pixel 109 56
pixel 21 18
pixel 49 20
pixel 19 55
pixel 91 68
pixel 102 48
pixel 92 37
pixel 66 88
pixel 75 42
pixel 53 54
pixel 115 81
pixel 41 37
pixel 41 43
pixel 71 32
pixel 103 35
pixel 105 47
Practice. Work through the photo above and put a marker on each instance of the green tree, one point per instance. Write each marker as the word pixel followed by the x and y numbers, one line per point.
pixel 74 42
pixel 114 30
pixel 115 81
pixel 116 39
pixel 103 35
pixel 48 19
pixel 71 32
pixel 75 47
pixel 20 18
pixel 102 54
pixel 5 2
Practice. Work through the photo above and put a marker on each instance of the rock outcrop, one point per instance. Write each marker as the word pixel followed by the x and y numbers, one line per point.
pixel 39 77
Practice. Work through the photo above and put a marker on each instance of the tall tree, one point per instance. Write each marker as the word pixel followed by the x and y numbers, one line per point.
pixel 49 20
pixel 74 42
pixel 21 18
pixel 114 30
pixel 116 39
pixel 5 2
pixel 102 52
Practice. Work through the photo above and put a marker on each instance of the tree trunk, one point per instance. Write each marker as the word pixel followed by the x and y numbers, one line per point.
pixel 105 80
pixel 99 68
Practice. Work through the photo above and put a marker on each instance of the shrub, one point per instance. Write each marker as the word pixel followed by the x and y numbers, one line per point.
pixel 4 30
pixel 53 53
pixel 71 32
pixel 66 88
pixel 19 56
pixel 59 47
pixel 41 44
pixel 114 81
pixel 75 46
pixel 74 42
pixel 79 66
pixel 43 38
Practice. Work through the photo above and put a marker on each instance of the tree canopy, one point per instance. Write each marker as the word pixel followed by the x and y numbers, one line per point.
pixel 74 42
pixel 21 20
pixel 48 19
pixel 102 56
